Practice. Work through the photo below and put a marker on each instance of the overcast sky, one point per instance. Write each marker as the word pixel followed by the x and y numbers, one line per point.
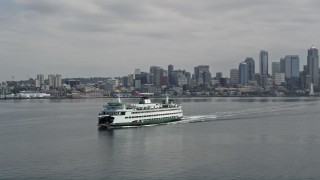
pixel 89 38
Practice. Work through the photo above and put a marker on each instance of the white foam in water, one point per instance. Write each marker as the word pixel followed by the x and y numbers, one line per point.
pixel 233 113
pixel 198 118
pixel 150 125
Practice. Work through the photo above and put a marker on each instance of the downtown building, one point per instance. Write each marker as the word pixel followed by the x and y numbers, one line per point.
pixel 264 60
pixel 291 72
pixel 275 68
pixel 243 73
pixel 313 65
pixel 202 74
pixel 234 77
pixel 158 76
pixel 40 81
pixel 250 68
pixel 54 81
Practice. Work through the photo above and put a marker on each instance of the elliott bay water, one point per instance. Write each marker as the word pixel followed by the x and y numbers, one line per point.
pixel 219 138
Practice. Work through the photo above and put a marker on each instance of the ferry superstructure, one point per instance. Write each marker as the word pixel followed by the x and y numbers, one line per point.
pixel 117 114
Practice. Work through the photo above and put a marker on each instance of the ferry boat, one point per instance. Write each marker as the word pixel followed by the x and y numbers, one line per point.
pixel 117 114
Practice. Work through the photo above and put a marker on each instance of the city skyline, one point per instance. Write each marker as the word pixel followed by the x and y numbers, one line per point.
pixel 102 39
pixel 251 68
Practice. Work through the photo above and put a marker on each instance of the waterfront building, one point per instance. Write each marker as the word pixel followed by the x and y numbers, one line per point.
pixel 4 89
pixel 250 68
pixel 243 73
pixel 155 72
pixel 275 68
pixel 137 83
pixel 313 65
pixel 188 75
pixel 282 65
pixel 73 83
pixel 137 74
pixel 224 82
pixel 291 72
pixel 180 79
pixel 130 81
pixel 55 81
pixel 234 76
pixel 40 80
pixel 137 78
pixel 124 81
pixel 291 66
pixel 263 62
pixel 58 81
pixel 199 73
pixel 170 74
pixel 279 78
pixel 218 75
pixel 164 78
pixel 206 76
pixel 51 81
pixel 37 85
pixel 145 78
pixel 114 82
pixel 257 78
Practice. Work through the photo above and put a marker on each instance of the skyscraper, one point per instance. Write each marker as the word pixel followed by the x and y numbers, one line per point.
pixel 313 65
pixel 137 74
pixel 243 73
pixel 218 75
pixel 40 77
pixel 170 74
pixel 145 78
pixel 250 68
pixel 234 76
pixel 155 72
pixel 40 80
pixel 137 78
pixel 54 81
pixel 263 62
pixel 282 65
pixel 291 66
pixel 51 80
pixel 58 81
pixel 275 69
pixel 206 77
pixel 200 72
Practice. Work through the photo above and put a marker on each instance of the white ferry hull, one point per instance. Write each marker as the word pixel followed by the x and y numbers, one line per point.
pixel 147 122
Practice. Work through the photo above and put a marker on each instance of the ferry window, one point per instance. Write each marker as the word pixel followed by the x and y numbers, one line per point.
pixel 123 113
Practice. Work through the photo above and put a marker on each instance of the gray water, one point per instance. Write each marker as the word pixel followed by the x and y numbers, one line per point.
pixel 219 138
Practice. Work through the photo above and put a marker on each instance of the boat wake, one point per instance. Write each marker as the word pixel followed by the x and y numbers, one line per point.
pixel 237 114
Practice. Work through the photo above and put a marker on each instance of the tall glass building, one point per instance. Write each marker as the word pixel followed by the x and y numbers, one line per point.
pixel 243 73
pixel 291 66
pixel 313 65
pixel 250 67
pixel 275 69
pixel 263 62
